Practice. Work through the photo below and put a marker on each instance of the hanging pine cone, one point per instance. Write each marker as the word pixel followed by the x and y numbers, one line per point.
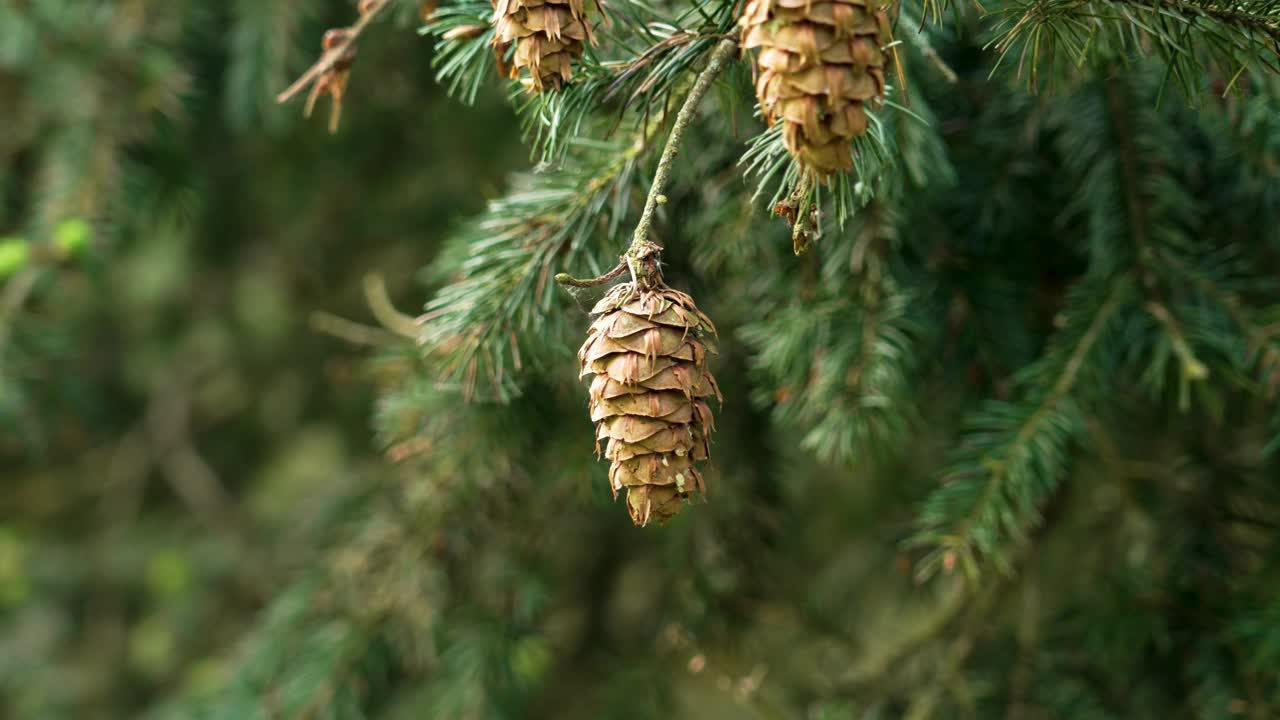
pixel 548 34
pixel 648 398
pixel 821 63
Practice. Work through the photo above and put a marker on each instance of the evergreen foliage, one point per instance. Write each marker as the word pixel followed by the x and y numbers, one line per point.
pixel 1001 433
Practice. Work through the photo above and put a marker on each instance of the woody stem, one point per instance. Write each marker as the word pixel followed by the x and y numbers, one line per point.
pixel 800 233
pixel 571 281
pixel 723 52
pixel 641 256
pixel 332 55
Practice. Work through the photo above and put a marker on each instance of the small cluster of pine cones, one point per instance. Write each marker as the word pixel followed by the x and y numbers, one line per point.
pixel 820 65
pixel 819 68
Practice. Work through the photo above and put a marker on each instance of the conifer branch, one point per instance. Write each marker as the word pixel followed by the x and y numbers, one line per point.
pixel 1131 178
pixel 379 302
pixel 478 322
pixel 1260 18
pixel 950 607
pixel 571 281
pixel 1015 455
pixel 464 57
pixel 837 358
pixel 875 158
pixel 801 233
pixel 724 50
pixel 1256 355
pixel 369 11
pixel 958 604
pixel 350 331
pixel 1185 34
pixel 1190 365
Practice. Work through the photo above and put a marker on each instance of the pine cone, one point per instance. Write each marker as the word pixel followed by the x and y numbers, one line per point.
pixel 548 34
pixel 820 64
pixel 646 349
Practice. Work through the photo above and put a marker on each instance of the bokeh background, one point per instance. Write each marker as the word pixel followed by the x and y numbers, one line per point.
pixel 230 489
pixel 177 417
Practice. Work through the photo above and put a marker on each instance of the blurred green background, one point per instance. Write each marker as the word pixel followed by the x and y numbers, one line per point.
pixel 175 422
pixel 198 519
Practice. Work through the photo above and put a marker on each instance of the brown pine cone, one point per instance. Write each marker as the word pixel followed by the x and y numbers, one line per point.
pixel 821 64
pixel 549 35
pixel 647 351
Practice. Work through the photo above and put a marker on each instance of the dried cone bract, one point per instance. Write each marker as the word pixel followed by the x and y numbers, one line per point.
pixel 548 34
pixel 649 395
pixel 821 65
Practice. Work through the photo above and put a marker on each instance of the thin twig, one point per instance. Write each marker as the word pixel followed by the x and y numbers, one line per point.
pixel 641 248
pixel 723 52
pixel 1192 368
pixel 941 65
pixel 571 281
pixel 1131 175
pixel 800 234
pixel 193 480
pixel 350 331
pixel 375 294
pixel 332 55
pixel 1226 13
pixel 578 287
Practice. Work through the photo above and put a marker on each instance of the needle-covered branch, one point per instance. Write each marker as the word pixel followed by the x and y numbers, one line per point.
pixel 1049 39
pixel 490 317
pixel 640 238
pixel 1014 455
pixel 723 52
